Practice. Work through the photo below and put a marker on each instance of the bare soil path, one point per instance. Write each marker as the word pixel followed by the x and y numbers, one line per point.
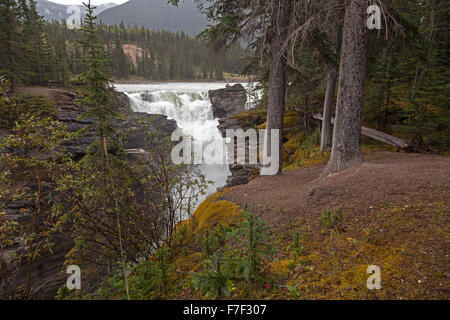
pixel 385 178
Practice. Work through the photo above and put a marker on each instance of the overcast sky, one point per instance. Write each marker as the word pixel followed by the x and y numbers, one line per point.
pixel 92 1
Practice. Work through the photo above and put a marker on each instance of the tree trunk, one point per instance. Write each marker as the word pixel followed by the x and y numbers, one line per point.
pixel 387 95
pixel 377 135
pixel 346 150
pixel 326 136
pixel 10 49
pixel 277 80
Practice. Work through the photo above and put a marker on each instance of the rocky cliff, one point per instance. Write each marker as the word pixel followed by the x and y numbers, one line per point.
pixel 134 127
pixel 228 101
pixel 240 173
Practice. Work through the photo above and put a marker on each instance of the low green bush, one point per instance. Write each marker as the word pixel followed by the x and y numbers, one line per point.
pixel 31 104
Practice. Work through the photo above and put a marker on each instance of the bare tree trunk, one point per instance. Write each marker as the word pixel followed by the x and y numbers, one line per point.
pixel 326 136
pixel 387 95
pixel 419 78
pixel 277 80
pixel 346 150
pixel 10 49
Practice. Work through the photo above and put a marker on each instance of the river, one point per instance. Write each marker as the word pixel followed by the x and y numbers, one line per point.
pixel 189 105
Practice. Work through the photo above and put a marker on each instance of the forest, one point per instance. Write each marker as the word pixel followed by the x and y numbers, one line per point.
pixel 358 94
pixel 47 53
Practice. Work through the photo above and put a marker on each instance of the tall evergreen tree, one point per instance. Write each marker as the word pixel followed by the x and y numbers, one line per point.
pixel 97 94
pixel 36 43
pixel 10 40
pixel 346 149
pixel 331 78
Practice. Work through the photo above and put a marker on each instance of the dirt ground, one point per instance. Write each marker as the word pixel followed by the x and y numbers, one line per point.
pixel 385 177
pixel 395 214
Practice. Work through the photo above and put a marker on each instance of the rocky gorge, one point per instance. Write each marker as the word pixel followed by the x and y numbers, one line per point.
pixel 136 130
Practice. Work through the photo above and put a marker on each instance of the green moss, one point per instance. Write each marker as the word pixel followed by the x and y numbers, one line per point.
pixel 251 118
pixel 213 212
pixel 294 143
pixel 291 120
pixel 281 267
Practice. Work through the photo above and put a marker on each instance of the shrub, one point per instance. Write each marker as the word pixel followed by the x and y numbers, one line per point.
pixel 240 258
pixel 14 108
pixel 297 247
pixel 311 141
pixel 148 280
pixel 36 105
pixel 330 218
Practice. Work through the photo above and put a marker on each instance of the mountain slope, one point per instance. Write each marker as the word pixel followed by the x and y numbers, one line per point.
pixel 157 14
pixel 55 11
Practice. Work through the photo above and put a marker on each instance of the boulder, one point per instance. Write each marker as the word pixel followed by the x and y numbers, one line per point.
pixel 147 96
pixel 228 101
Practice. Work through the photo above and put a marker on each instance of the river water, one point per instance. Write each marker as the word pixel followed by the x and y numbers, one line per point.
pixel 189 105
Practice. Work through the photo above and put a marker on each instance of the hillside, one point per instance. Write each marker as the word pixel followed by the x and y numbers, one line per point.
pixel 393 214
pixel 156 15
pixel 56 11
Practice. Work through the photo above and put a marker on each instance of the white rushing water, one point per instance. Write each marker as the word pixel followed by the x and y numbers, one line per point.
pixel 189 105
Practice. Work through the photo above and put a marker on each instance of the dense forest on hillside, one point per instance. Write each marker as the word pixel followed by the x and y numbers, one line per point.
pixel 42 53
pixel 150 55
pixel 352 96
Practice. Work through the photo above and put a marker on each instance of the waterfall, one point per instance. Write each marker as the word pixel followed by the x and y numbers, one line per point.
pixel 189 105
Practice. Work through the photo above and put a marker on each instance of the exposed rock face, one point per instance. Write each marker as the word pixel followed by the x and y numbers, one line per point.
pixel 134 127
pixel 46 273
pixel 226 103
pixel 147 96
pixel 240 173
pixel 229 101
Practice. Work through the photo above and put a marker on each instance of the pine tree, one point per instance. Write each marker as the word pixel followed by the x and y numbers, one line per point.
pixel 96 92
pixel 10 40
pixel 346 150
pixel 36 42
pixel 120 60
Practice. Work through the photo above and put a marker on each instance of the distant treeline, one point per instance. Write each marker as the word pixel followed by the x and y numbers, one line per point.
pixel 153 55
pixel 35 52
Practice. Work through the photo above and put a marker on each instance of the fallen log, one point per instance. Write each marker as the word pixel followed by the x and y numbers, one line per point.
pixel 377 135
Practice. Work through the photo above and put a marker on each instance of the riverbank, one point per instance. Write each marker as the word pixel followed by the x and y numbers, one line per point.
pixel 232 79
